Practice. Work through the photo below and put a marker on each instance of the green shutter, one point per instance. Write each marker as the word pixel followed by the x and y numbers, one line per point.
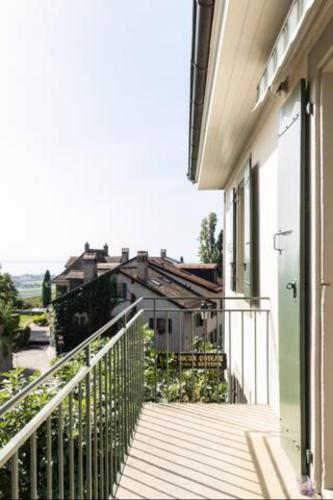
pixel 251 231
pixel 234 240
pixel 255 233
pixel 247 264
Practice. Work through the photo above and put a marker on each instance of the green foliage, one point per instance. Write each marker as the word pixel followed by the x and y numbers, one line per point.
pixel 8 292
pixel 41 320
pixel 21 338
pixel 8 321
pixel 46 290
pixel 211 248
pixel 96 299
pixel 192 389
pixel 189 386
pixel 31 302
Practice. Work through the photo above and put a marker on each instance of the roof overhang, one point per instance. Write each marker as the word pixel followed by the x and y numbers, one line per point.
pixel 242 36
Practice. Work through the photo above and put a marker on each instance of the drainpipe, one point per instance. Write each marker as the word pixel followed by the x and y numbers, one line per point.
pixel 201 32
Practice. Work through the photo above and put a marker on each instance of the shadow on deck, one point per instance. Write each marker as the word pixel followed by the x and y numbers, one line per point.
pixel 207 451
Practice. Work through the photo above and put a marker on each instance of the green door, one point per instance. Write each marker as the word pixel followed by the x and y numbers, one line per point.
pixel 290 242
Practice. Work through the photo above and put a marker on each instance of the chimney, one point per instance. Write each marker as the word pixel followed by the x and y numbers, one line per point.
pixel 86 247
pixel 106 249
pixel 124 254
pixel 163 253
pixel 89 268
pixel 142 265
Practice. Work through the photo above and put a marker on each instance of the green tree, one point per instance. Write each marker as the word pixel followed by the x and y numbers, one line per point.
pixel 8 292
pixel 211 248
pixel 8 323
pixel 46 291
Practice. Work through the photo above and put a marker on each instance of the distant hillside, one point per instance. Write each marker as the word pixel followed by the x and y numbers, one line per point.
pixel 29 285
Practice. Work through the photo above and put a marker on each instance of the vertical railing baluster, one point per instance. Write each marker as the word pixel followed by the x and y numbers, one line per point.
pixel 60 452
pixel 180 355
pixel 33 467
pixel 142 357
pixel 118 414
pixel 230 361
pixel 120 407
pixel 106 461
pixel 192 361
pixel 15 477
pixel 155 348
pixel 80 444
pixel 88 424
pixel 110 423
pixel 267 358
pixel 71 448
pixel 101 433
pixel 255 358
pixel 167 347
pixel 128 380
pixel 132 380
pixel 49 482
pixel 95 440
pixel 242 354
pixel 205 356
pixel 217 358
pixel 126 389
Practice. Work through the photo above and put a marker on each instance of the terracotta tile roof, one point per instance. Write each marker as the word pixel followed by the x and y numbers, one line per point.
pixel 163 286
pixel 107 265
pixel 75 275
pixel 89 256
pixel 70 261
pixel 198 265
pixel 113 259
pixel 171 268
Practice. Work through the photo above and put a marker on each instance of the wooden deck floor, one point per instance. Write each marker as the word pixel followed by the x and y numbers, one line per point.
pixel 207 451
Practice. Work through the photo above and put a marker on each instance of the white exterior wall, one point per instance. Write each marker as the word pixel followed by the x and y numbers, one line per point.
pixel 264 153
pixel 264 150
pixel 263 147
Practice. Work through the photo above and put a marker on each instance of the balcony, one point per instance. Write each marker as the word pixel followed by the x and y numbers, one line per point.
pixel 153 415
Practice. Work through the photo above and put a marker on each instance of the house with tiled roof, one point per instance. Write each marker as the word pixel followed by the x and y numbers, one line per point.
pixel 163 285
pixel 91 264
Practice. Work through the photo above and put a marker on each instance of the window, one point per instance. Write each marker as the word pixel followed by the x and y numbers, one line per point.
pixel 245 261
pixel 80 318
pixel 160 325
pixel 122 290
pixel 198 320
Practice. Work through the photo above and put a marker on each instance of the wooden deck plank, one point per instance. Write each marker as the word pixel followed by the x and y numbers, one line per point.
pixel 206 451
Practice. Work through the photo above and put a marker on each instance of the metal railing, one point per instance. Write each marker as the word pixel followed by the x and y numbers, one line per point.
pixel 76 444
pixel 74 447
pixel 240 333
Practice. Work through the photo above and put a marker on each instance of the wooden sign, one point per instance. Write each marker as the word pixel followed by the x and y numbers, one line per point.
pixel 198 360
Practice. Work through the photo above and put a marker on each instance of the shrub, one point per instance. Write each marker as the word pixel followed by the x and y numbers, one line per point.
pixel 189 386
pixel 21 338
pixel 41 321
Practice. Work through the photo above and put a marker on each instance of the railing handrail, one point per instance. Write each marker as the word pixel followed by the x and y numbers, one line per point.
pixel 209 297
pixel 13 401
pixel 198 310
pixel 23 435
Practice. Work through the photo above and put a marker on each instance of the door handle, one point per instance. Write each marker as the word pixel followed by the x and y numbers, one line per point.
pixel 275 243
pixel 292 286
pixel 280 233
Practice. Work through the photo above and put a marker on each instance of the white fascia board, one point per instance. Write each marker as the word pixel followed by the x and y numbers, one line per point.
pixel 218 30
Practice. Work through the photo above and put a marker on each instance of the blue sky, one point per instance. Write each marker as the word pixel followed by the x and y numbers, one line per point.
pixel 94 129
